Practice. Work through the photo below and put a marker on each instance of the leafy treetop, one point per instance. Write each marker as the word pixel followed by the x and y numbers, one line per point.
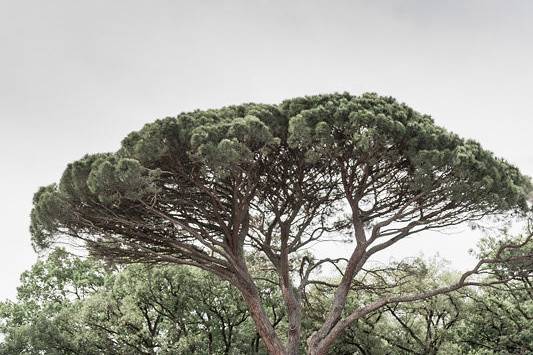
pixel 369 134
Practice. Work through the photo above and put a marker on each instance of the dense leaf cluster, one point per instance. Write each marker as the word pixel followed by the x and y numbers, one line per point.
pixel 179 164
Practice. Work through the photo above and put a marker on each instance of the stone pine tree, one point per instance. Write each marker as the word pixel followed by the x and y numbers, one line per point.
pixel 209 188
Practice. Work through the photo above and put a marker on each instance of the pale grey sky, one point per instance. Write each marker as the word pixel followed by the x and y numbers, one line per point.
pixel 77 76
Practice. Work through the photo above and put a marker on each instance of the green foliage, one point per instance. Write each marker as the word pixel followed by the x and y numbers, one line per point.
pixel 492 320
pixel 381 128
pixel 45 316
pixel 210 147
pixel 500 317
pixel 498 321
pixel 68 305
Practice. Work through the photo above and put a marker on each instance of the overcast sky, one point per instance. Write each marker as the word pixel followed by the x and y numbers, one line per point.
pixel 76 77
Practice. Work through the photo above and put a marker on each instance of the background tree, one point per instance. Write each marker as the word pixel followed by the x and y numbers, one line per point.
pixel 205 187
pixel 45 317
pixel 500 317
pixel 492 320
pixel 68 305
pixel 421 327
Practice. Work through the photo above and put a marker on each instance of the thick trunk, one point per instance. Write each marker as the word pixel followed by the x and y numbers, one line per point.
pixel 244 282
pixel 262 323
pixel 295 322
pixel 290 296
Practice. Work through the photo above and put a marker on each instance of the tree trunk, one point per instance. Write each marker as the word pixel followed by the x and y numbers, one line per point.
pixel 262 323
pixel 294 331
pixel 290 296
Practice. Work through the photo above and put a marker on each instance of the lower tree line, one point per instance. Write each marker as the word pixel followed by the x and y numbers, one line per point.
pixel 72 305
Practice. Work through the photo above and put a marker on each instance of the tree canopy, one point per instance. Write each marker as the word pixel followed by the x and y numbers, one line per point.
pixel 206 187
